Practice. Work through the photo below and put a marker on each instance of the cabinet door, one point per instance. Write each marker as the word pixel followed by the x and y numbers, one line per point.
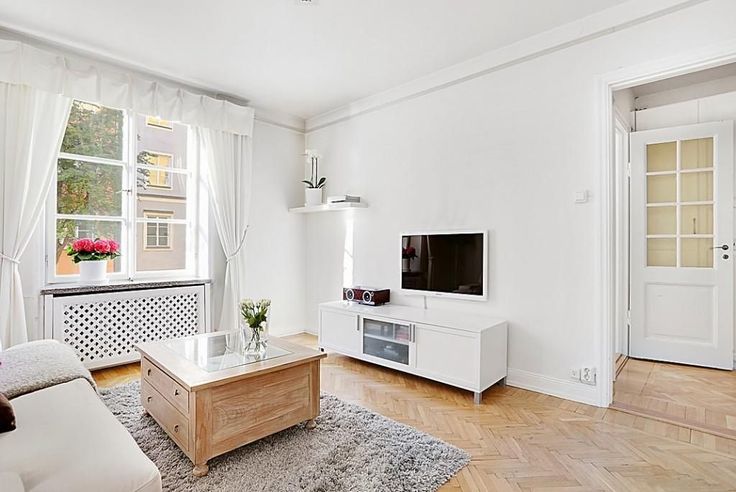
pixel 447 355
pixel 388 340
pixel 340 332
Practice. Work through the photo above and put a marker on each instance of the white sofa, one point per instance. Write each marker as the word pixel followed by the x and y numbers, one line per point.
pixel 67 440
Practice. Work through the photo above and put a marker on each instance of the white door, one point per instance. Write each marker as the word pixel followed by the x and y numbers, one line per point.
pixel 682 245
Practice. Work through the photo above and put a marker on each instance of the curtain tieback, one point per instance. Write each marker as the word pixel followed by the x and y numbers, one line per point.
pixel 9 258
pixel 240 246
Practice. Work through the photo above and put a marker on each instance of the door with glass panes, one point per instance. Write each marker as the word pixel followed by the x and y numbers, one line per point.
pixel 682 244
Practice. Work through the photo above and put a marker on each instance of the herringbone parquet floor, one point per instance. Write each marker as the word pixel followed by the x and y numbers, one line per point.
pixel 520 440
pixel 695 397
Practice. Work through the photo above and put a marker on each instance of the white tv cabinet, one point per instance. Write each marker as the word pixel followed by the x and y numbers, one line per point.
pixel 463 350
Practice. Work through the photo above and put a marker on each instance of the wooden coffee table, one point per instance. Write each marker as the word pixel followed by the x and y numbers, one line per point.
pixel 211 399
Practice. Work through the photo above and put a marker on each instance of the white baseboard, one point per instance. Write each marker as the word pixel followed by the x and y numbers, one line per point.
pixel 288 333
pixel 561 388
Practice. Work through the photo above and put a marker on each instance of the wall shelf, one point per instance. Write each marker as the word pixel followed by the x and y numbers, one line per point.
pixel 327 207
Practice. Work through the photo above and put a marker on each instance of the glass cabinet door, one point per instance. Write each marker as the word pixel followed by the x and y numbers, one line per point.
pixel 386 340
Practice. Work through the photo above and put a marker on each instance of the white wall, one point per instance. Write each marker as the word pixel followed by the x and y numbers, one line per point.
pixel 506 152
pixel 274 248
pixel 275 253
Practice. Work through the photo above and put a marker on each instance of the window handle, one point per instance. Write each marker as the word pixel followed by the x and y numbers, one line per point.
pixel 724 247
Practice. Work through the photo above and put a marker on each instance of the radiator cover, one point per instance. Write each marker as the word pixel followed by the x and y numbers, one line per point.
pixel 104 328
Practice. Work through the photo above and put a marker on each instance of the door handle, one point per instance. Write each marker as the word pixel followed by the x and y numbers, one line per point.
pixel 724 247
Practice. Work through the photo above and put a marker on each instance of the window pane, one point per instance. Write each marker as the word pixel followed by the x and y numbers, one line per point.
pixel 696 187
pixel 94 131
pixel 163 251
pixel 169 202
pixel 661 189
pixel 88 189
pixel 661 252
pixel 697 253
pixel 661 220
pixel 152 140
pixel 662 157
pixel 696 219
pixel 161 190
pixel 697 153
pixel 69 230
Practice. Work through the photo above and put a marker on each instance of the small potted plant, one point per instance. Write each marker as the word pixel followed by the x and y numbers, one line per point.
pixel 255 325
pixel 313 191
pixel 407 254
pixel 92 256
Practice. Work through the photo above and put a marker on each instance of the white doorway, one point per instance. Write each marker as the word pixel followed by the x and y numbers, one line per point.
pixel 682 245
pixel 678 237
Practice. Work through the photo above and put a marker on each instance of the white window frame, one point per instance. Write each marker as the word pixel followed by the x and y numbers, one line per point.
pixel 160 217
pixel 196 203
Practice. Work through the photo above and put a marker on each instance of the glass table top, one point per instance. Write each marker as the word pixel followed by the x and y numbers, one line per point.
pixel 222 351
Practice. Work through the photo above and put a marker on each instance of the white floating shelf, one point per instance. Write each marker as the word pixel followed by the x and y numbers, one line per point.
pixel 327 207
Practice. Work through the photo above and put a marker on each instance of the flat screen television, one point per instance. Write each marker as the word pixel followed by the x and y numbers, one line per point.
pixel 447 264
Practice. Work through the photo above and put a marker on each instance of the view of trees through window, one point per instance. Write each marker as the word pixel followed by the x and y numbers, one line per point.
pixel 97 179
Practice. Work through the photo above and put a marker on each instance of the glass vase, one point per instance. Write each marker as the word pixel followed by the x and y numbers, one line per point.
pixel 255 339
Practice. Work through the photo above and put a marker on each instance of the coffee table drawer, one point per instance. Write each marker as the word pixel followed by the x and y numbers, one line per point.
pixel 168 417
pixel 170 389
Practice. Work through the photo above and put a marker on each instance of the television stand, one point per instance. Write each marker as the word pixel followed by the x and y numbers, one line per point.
pixel 463 350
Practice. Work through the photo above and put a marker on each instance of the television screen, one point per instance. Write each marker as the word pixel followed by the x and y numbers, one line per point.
pixel 452 263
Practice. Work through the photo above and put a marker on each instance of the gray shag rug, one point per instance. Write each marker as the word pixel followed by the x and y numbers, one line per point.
pixel 352 449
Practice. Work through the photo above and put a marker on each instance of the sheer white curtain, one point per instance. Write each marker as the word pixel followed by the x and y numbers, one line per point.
pixel 32 124
pixel 229 169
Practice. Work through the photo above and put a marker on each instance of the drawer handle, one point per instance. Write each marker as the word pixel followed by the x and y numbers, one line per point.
pixel 148 372
pixel 176 392
pixel 176 428
pixel 149 399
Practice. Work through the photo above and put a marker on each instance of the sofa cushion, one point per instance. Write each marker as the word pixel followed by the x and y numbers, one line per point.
pixel 7 416
pixel 67 440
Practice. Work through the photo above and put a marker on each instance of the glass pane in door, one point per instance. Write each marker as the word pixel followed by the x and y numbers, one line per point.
pixel 697 153
pixel 661 220
pixel 662 188
pixel 662 252
pixel 697 253
pixel 696 187
pixel 662 157
pixel 696 219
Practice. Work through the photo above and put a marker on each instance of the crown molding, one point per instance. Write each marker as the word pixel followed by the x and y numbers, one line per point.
pixel 280 119
pixel 623 16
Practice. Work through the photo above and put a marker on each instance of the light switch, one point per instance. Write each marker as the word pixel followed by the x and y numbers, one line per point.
pixel 581 196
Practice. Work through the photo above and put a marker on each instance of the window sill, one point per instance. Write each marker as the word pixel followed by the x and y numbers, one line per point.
pixel 68 289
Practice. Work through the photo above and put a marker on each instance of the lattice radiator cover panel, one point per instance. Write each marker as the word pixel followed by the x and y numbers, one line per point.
pixel 105 328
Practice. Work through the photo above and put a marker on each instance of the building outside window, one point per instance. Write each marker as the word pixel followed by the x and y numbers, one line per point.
pixel 158 235
pixel 158 179
pixel 159 123
pixel 126 177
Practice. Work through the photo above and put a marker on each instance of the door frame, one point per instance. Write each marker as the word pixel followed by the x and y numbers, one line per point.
pixel 608 272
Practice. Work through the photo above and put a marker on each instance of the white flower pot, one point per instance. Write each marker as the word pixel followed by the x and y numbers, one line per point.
pixel 312 196
pixel 93 272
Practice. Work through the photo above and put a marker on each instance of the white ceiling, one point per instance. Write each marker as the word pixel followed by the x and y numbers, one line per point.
pixel 281 55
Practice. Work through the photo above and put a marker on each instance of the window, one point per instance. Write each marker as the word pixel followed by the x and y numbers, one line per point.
pixel 108 184
pixel 158 235
pixel 154 122
pixel 158 179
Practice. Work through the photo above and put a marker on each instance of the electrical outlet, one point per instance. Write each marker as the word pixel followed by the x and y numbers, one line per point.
pixel 575 374
pixel 587 375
